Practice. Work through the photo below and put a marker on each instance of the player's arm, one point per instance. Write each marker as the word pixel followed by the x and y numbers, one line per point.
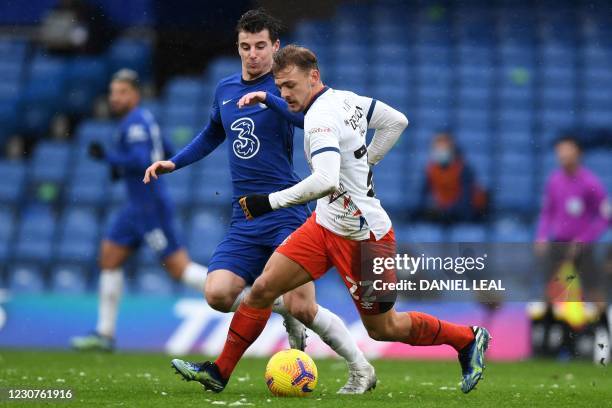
pixel 203 144
pixel 325 177
pixel 277 104
pixel 388 124
pixel 137 155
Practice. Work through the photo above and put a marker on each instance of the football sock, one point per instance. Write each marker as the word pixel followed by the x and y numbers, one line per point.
pixel 194 276
pixel 332 330
pixel 427 330
pixel 277 307
pixel 247 324
pixel 111 286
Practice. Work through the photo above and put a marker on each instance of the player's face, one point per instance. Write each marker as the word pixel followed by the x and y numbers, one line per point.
pixel 256 50
pixel 297 87
pixel 123 97
pixel 568 155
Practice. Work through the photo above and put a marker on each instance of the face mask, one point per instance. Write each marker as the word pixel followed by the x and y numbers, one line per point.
pixel 441 156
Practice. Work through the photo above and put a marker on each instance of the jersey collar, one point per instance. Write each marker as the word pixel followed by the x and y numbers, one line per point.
pixel 315 97
pixel 256 80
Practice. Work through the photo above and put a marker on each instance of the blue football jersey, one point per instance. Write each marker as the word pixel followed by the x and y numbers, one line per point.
pixel 259 145
pixel 139 143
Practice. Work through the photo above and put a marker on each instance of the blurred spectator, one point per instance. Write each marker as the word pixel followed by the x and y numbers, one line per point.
pixel 75 26
pixel 450 192
pixel 575 214
pixel 575 206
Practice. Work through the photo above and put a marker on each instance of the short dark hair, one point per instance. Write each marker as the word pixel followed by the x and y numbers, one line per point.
pixel 568 139
pixel 254 21
pixel 292 54
pixel 129 76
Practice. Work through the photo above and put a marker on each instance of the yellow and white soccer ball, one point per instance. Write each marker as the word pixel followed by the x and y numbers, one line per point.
pixel 291 373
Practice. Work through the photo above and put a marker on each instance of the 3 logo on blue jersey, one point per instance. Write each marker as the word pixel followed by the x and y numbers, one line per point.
pixel 247 144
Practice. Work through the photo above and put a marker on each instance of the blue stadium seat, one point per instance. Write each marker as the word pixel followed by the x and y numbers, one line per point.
pixel 476 140
pixel 555 54
pixel 385 52
pixel 313 33
pixel 180 115
pixel 390 184
pixel 69 279
pixel 480 164
pixel 435 96
pixel 598 161
pixel 155 107
pixel 469 117
pixel 36 233
pixel 153 280
pixel 221 68
pixel 519 120
pixel 468 233
pixel 516 140
pixel 118 194
pixel 9 91
pixel 510 230
pixel 49 161
pixel 146 256
pixel 395 96
pixel 7 229
pixel 514 193
pixel 133 54
pixel 98 130
pixel 25 278
pixel 477 76
pixel 88 187
pixel 86 77
pixel 79 223
pixel 205 234
pixel 179 186
pixel 13 180
pixel 186 90
pixel 423 233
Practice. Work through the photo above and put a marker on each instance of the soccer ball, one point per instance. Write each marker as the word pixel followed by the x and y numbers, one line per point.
pixel 291 373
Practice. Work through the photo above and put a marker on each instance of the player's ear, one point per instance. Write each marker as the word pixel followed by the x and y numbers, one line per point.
pixel 315 76
pixel 276 45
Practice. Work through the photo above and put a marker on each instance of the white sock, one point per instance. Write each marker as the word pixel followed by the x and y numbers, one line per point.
pixel 239 299
pixel 277 307
pixel 111 286
pixel 194 276
pixel 332 330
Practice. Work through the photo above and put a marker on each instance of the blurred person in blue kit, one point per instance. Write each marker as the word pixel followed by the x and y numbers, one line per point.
pixel 148 215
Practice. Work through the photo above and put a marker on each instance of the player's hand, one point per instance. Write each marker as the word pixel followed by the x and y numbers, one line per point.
pixel 251 99
pixel 158 168
pixel 96 151
pixel 255 205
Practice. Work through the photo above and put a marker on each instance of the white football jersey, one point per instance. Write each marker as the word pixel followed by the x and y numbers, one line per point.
pixel 338 121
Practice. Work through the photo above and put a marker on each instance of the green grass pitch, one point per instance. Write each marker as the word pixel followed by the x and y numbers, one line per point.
pixel 133 380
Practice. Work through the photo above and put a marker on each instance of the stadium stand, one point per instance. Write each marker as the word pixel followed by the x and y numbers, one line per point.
pixel 505 87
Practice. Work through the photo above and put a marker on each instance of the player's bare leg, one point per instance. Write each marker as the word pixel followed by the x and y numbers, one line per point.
pixel 421 329
pixel 180 266
pixel 225 290
pixel 301 303
pixel 112 257
pixel 222 289
pixel 279 276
